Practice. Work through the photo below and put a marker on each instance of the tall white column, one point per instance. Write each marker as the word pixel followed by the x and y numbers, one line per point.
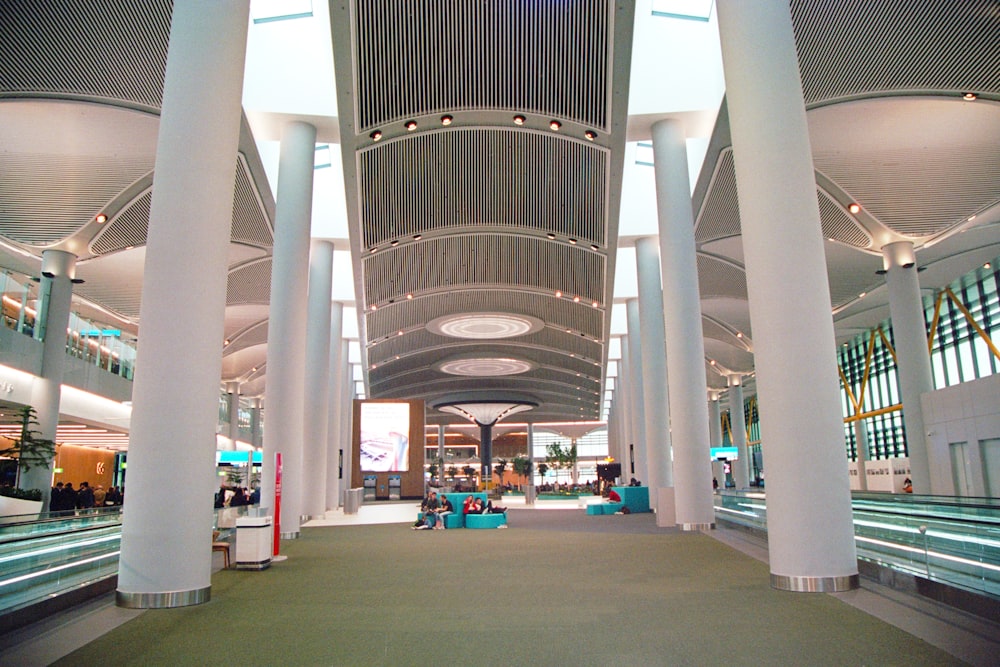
pixel 738 422
pixel 58 271
pixel 684 338
pixel 810 529
pixel 286 337
pixel 631 347
pixel 913 362
pixel 233 397
pixel 256 419
pixel 861 440
pixel 655 400
pixel 317 381
pixel 529 496
pixel 347 415
pixel 715 435
pixel 334 484
pixel 166 557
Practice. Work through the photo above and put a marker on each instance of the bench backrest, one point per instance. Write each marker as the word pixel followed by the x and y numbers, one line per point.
pixel 458 499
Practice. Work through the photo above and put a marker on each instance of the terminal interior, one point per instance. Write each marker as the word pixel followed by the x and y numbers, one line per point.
pixel 736 261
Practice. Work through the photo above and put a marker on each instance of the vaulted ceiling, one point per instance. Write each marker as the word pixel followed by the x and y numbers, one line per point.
pixel 474 224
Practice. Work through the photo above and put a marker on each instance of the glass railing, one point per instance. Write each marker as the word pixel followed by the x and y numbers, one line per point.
pixel 955 541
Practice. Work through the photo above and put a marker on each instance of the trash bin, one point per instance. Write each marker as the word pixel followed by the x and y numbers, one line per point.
pixel 352 500
pixel 254 542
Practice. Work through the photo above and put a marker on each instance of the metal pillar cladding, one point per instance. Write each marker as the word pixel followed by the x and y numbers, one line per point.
pixel 655 398
pixel 529 496
pixel 165 560
pixel 440 452
pixel 913 363
pixel 684 337
pixel 58 272
pixel 633 353
pixel 738 423
pixel 347 413
pixel 861 440
pixel 316 443
pixel 233 391
pixel 810 529
pixel 486 450
pixel 334 459
pixel 286 336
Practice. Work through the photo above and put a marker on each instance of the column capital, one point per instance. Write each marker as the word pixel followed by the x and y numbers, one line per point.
pixel 898 254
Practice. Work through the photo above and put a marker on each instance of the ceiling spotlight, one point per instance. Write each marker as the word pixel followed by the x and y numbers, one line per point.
pixel 854 208
pixel 572 241
pixel 595 304
pixel 374 250
pixel 374 307
pixel 374 366
pixel 411 125
pixel 253 370
pixel 376 135
pixel 862 295
pixel 400 333
pixel 394 242
pixel 576 299
pixel 417 237
pixel 550 236
pixel 595 247
pixel 519 120
pixel 409 296
pixel 711 362
pixel 986 265
pixel 970 96
pixel 590 134
pixel 226 342
pixel 554 125
pixel 739 334
pixel 101 218
pixel 446 120
pixel 569 331
pixel 558 294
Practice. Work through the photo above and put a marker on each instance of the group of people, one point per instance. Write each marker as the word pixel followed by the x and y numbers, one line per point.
pixel 434 510
pixel 64 497
pixel 236 496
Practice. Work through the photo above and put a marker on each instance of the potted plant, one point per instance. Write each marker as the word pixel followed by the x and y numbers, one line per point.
pixel 31 451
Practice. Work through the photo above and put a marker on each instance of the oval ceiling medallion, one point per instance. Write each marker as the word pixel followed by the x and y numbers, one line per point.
pixel 484 326
pixel 485 367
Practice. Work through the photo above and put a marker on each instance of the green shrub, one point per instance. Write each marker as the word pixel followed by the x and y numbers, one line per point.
pixel 21 494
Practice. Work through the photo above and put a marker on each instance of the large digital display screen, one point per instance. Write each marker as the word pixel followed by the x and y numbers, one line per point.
pixel 385 437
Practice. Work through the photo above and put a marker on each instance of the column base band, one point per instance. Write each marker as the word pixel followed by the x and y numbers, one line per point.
pixel 165 600
pixel 815 584
pixel 695 527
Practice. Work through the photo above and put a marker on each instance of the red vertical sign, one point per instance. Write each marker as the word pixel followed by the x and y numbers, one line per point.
pixel 277 502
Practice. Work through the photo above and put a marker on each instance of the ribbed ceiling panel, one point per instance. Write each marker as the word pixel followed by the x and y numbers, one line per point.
pixel 548 338
pixel 254 335
pixel 839 226
pixel 48 198
pixel 548 57
pixel 126 229
pixel 919 191
pixel 407 314
pixel 466 178
pixel 112 49
pixel 121 297
pixel 856 47
pixel 250 222
pixel 483 259
pixel 250 283
pixel 720 279
pixel 719 216
pixel 713 330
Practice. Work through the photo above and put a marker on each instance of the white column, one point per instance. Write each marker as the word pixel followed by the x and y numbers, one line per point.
pixel 255 422
pixel 684 338
pixel 655 400
pixel 738 422
pixel 861 439
pixel 440 453
pixel 347 415
pixel 335 408
pixel 233 391
pixel 913 362
pixel 715 435
pixel 58 271
pixel 317 380
pixel 810 529
pixel 166 556
pixel 529 496
pixel 286 337
pixel 631 347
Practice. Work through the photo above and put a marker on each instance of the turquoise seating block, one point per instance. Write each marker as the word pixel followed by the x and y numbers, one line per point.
pixel 485 520
pixel 604 508
pixel 454 521
pixel 595 508
pixel 636 498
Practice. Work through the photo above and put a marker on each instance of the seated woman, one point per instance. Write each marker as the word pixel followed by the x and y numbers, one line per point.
pixel 474 505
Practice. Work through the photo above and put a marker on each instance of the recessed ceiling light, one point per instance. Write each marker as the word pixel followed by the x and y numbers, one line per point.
pixel 739 334
pixel 986 265
pixel 558 294
pixel 376 135
pixel 519 120
pixel 417 237
pixel 590 134
pixel 485 325
pixel 394 242
pixel 554 125
pixel 446 120
pixel 411 125
pixel 101 218
pixel 970 96
pixel 374 307
pixel 226 342
pixel 576 299
pixel 374 250
pixel 572 241
pixel 595 247
pixel 409 296
pixel 862 295
pixel 854 207
pixel 551 236
pixel 595 304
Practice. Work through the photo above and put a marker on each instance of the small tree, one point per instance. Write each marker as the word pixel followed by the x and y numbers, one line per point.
pixel 522 466
pixel 451 471
pixel 30 450
pixel 499 468
pixel 542 469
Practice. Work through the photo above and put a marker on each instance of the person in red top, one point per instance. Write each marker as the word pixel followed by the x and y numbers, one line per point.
pixel 613 496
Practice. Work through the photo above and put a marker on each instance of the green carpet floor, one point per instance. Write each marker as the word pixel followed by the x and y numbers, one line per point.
pixel 529 595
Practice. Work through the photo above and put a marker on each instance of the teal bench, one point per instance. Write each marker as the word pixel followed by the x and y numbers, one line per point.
pixel 485 520
pixel 604 508
pixel 458 520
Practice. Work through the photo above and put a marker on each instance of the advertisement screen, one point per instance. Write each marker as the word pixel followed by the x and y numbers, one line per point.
pixel 385 439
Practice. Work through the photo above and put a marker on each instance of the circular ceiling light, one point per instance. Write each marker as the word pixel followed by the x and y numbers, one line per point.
pixel 485 325
pixel 484 366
